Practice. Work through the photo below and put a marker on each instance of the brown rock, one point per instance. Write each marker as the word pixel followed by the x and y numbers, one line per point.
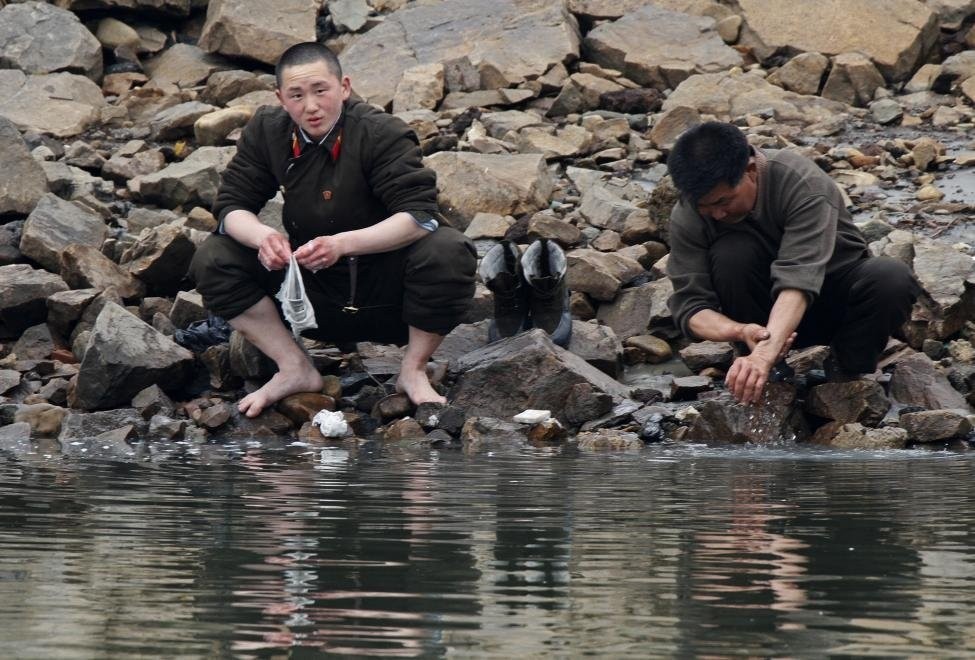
pixel 302 407
pixel 855 401
pixel 403 429
pixel 936 425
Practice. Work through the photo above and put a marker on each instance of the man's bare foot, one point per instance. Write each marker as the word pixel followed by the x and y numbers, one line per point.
pixel 281 385
pixel 415 384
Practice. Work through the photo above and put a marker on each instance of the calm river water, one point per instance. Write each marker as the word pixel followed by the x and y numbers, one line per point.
pixel 292 552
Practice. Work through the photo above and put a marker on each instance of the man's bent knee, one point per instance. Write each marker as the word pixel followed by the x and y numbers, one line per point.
pixel 227 276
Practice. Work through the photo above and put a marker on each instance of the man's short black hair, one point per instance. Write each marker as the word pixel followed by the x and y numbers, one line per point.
pixel 307 52
pixel 706 156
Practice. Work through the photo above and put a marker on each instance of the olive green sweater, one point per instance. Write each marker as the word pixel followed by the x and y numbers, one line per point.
pixel 799 216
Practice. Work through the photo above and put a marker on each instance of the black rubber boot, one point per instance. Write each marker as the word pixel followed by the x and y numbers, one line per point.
pixel 501 272
pixel 544 265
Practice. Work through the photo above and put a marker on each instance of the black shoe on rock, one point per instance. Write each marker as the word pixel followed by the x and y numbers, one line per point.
pixel 501 272
pixel 544 265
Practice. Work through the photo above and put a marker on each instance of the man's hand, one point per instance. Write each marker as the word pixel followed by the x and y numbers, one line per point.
pixel 321 252
pixel 274 252
pixel 747 377
pixel 752 333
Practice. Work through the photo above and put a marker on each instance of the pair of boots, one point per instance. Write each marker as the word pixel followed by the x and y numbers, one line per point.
pixel 529 290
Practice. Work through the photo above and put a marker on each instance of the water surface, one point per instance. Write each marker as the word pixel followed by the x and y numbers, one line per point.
pixel 257 551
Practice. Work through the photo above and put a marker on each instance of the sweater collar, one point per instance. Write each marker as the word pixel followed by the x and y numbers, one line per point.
pixel 332 141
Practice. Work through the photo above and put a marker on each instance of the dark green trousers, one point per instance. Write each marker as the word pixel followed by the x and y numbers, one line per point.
pixel 428 285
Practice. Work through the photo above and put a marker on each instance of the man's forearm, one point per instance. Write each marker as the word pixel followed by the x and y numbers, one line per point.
pixel 714 326
pixel 788 310
pixel 245 228
pixel 396 231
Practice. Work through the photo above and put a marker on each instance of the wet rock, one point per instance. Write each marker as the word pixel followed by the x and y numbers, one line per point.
pixel 54 225
pixel 585 404
pixel 936 425
pixel 897 35
pixel 722 420
pixel 162 427
pixel 23 291
pixel 269 424
pixel 857 436
pixel 191 181
pixel 215 416
pixel 472 183
pixel 598 345
pixel 853 80
pixel 703 354
pixel 125 355
pixel 403 429
pixel 658 48
pixel 61 104
pixel 525 371
pixel 491 36
pixel 638 309
pixel 548 432
pixel 15 438
pixel 85 267
pixel 23 182
pixel 392 407
pixel 449 419
pixel 80 427
pixel 161 257
pixel 258 30
pixel 608 440
pixel 36 37
pixel 45 419
pixel 916 382
pixel 153 401
pixel 855 401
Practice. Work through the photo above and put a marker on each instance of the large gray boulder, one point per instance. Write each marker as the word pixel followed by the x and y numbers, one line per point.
pixel 36 37
pixel 62 104
pixel 917 382
pixel 258 29
pixel 948 277
pixel 660 48
pixel 721 420
pixel 191 181
pixel 525 371
pixel 600 274
pixel 471 183
pixel 124 355
pixel 23 291
pixel 731 95
pixel 23 181
pixel 897 35
pixel 161 256
pixel 492 36
pixel 167 7
pixel 54 225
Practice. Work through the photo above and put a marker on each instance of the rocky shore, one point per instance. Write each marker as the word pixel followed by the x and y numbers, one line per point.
pixel 542 118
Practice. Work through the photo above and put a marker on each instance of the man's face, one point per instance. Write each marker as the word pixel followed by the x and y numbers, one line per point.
pixel 313 96
pixel 731 204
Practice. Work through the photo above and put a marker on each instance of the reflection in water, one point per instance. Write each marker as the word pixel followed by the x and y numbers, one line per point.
pixel 405 552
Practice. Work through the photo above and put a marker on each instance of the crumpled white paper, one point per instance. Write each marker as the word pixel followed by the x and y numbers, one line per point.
pixel 332 424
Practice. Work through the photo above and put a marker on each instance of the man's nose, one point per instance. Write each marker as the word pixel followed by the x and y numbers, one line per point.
pixel 311 104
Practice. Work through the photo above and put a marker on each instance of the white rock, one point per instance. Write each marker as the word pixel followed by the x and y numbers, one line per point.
pixel 331 424
pixel 531 416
